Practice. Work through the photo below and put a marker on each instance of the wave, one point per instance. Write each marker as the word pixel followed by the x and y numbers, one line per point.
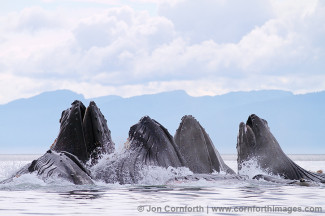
pixel 150 176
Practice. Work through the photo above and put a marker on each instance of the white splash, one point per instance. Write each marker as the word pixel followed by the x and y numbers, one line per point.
pixel 9 168
pixel 153 175
pixel 251 168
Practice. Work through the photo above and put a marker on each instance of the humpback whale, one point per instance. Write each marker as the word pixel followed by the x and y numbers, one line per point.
pixel 255 141
pixel 58 165
pixel 83 135
pixel 149 144
pixel 196 147
pixel 84 132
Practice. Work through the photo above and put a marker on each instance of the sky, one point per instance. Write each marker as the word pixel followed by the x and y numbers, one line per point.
pixel 135 47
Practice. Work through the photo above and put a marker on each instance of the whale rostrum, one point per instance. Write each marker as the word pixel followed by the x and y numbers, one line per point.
pixel 197 148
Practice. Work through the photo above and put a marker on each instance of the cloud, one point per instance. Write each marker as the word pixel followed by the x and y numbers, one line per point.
pixel 218 20
pixel 205 48
pixel 36 19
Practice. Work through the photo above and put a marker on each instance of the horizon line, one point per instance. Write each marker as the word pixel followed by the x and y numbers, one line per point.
pixel 162 92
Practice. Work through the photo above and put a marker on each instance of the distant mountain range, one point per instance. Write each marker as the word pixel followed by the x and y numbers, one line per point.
pixel 297 121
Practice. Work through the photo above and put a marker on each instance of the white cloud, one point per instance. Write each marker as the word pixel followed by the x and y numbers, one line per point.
pixel 219 20
pixel 209 47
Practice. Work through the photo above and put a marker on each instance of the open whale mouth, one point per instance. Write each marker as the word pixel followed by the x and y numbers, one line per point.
pixel 253 137
pixel 84 132
pixel 142 131
pixel 250 120
pixel 196 147
pixel 153 144
pixel 240 137
pixel 146 132
pixel 246 139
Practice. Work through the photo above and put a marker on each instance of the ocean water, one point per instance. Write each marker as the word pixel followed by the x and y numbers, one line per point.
pixel 29 195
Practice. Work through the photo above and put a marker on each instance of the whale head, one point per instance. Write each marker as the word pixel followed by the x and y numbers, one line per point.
pixel 255 141
pixel 83 132
pixel 71 137
pixel 96 133
pixel 197 148
pixel 154 144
